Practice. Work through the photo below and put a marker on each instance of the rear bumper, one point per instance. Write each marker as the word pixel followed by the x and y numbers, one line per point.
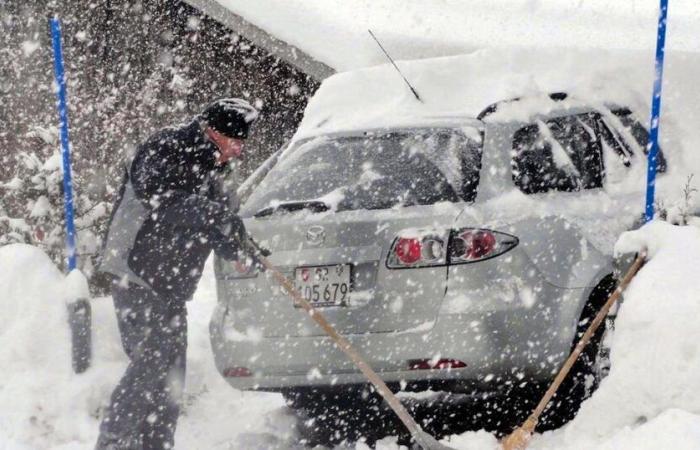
pixel 496 347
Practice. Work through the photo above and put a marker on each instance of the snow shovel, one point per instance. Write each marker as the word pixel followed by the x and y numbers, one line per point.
pixel 520 438
pixel 426 441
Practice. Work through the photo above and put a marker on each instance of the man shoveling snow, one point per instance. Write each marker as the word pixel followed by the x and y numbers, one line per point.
pixel 170 214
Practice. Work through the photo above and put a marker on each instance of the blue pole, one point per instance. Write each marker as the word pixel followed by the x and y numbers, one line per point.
pixel 65 144
pixel 653 145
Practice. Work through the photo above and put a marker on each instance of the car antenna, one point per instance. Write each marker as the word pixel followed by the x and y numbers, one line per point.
pixel 395 66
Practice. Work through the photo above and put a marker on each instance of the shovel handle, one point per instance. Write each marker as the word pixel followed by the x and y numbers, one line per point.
pixel 417 433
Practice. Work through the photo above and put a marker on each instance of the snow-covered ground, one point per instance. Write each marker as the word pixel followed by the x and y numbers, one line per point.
pixel 43 405
pixel 650 400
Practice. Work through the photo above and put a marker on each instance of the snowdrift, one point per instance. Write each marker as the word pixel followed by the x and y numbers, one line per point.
pixel 655 352
pixel 43 405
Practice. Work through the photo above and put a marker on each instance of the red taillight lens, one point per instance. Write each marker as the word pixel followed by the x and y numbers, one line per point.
pixel 472 244
pixel 418 249
pixel 478 243
pixel 440 364
pixel 408 250
pixel 236 372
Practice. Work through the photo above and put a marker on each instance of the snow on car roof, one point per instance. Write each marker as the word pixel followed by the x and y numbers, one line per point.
pixel 462 86
pixel 335 31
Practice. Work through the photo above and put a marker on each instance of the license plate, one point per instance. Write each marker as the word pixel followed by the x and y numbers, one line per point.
pixel 324 285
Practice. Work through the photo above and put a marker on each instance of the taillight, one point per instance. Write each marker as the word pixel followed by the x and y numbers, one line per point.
pixel 474 244
pixel 421 248
pixel 418 249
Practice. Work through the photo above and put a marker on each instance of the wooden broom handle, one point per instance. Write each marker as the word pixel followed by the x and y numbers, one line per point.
pixel 416 432
pixel 585 339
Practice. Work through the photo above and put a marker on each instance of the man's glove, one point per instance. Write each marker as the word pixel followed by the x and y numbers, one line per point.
pixel 223 246
pixel 252 251
pixel 259 249
pixel 227 240
pixel 235 229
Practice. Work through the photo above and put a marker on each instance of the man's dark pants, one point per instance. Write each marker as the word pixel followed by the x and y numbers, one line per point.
pixel 145 405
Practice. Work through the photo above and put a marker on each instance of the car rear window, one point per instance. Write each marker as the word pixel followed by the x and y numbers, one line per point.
pixel 561 154
pixel 374 172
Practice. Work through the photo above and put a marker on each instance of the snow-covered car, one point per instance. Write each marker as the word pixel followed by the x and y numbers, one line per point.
pixel 459 251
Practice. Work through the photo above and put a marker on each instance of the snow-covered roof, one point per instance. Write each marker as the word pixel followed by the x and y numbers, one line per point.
pixel 334 32
pixel 264 39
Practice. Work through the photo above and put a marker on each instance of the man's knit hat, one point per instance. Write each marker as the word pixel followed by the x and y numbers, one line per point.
pixel 231 117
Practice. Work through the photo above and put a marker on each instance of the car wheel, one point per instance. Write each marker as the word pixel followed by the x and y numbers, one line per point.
pixel 602 359
pixel 590 368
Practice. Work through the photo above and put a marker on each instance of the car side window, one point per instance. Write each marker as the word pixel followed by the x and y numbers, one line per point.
pixel 636 131
pixel 560 154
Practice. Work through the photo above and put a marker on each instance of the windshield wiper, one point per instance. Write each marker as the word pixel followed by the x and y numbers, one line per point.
pixel 315 206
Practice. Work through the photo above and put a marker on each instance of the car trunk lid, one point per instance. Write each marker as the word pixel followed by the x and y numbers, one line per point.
pixel 380 299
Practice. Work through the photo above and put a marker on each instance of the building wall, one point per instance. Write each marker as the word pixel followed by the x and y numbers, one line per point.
pixel 133 67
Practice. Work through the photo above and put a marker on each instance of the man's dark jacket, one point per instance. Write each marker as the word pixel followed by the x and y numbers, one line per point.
pixel 170 213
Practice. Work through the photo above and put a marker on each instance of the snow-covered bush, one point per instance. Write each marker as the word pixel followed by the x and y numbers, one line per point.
pixel 32 206
pixel 685 211
pixel 678 208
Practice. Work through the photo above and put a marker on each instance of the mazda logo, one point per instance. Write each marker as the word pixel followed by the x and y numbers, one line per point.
pixel 315 235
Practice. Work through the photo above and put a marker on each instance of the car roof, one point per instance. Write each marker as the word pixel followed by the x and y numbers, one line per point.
pixel 461 87
pixel 516 110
